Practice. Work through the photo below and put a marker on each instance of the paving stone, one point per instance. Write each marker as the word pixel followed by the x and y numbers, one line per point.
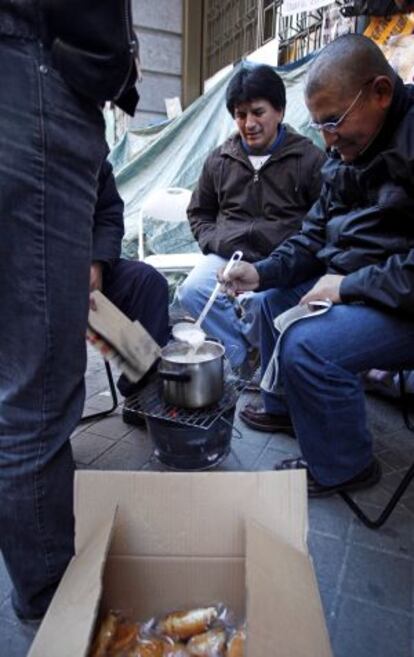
pixel 328 556
pixel 378 495
pixel 125 455
pixel 14 642
pixel 252 438
pixel 154 465
pixel 407 501
pixel 270 457
pixel 365 577
pixel 393 480
pixel 330 516
pixel 232 463
pixel 395 536
pixel 110 427
pixel 87 447
pixel 395 458
pixel 100 401
pixel 328 598
pixel 278 448
pixel 384 416
pixel 7 615
pixel 137 433
pixel 363 630
pixel 378 577
pixel 248 452
pixel 5 584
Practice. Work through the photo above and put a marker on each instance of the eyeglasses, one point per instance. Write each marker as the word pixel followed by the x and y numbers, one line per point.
pixel 332 126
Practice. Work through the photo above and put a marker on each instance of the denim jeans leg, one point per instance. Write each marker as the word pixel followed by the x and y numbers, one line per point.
pixel 222 321
pixel 275 302
pixel 51 148
pixel 320 360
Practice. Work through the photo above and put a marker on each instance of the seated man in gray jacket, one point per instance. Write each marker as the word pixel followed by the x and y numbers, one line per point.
pixel 252 194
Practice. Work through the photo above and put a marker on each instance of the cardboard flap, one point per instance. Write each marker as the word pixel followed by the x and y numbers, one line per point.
pixel 284 610
pixel 66 628
pixel 130 339
pixel 197 514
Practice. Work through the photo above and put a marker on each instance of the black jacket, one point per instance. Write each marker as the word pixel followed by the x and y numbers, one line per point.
pixel 362 227
pixel 108 221
pixel 94 47
pixel 236 207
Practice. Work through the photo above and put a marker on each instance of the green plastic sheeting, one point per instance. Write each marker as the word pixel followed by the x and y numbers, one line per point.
pixel 172 153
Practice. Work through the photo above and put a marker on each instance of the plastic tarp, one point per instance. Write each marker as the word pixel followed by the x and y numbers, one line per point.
pixel 171 154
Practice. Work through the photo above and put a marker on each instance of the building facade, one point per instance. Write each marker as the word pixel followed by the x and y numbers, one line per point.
pixel 159 24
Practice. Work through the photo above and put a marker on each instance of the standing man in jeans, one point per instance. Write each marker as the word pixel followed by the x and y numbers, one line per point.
pixel 59 62
pixel 356 250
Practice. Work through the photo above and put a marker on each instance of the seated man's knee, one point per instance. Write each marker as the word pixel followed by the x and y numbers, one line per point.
pixel 183 292
pixel 298 353
pixel 190 293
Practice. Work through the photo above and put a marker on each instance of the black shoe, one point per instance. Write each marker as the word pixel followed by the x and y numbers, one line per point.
pixel 255 416
pixel 365 479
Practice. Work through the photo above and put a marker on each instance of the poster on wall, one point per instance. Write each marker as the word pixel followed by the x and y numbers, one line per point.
pixel 290 7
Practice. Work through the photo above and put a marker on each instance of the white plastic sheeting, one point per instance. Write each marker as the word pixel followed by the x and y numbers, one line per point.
pixel 172 154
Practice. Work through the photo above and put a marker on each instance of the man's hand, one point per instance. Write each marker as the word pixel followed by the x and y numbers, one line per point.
pixel 326 288
pixel 95 281
pixel 243 277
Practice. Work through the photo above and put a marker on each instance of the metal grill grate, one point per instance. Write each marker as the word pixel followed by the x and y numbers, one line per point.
pixel 149 402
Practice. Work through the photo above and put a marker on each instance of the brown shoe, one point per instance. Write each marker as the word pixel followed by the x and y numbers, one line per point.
pixel 256 417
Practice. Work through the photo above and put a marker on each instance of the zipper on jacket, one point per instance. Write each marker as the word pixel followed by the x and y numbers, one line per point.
pixel 258 189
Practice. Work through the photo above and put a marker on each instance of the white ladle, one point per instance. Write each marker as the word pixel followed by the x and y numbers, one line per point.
pixel 193 334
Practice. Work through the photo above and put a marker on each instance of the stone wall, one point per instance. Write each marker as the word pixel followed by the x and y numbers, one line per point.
pixel 159 27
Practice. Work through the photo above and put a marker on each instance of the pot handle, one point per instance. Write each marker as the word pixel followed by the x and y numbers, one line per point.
pixel 182 377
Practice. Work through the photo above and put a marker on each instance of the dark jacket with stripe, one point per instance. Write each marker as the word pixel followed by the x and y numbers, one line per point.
pixel 362 226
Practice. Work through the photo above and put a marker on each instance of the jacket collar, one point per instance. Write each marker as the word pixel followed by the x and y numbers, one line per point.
pixel 292 144
pixel 401 101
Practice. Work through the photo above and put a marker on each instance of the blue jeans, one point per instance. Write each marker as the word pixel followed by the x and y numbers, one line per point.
pixel 320 360
pixel 51 148
pixel 237 334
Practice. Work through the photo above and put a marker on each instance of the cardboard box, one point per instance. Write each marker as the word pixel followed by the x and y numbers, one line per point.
pixel 181 540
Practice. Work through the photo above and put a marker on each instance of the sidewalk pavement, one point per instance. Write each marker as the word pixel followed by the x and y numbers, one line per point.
pixel 365 577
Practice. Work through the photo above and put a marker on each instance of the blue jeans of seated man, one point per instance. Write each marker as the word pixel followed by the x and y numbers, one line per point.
pixel 51 148
pixel 222 322
pixel 319 363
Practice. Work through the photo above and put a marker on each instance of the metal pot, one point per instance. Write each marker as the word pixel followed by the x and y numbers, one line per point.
pixel 192 380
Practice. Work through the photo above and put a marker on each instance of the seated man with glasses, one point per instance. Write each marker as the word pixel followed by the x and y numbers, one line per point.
pixel 356 251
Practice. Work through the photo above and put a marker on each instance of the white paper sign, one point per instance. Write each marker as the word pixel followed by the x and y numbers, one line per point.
pixel 290 7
